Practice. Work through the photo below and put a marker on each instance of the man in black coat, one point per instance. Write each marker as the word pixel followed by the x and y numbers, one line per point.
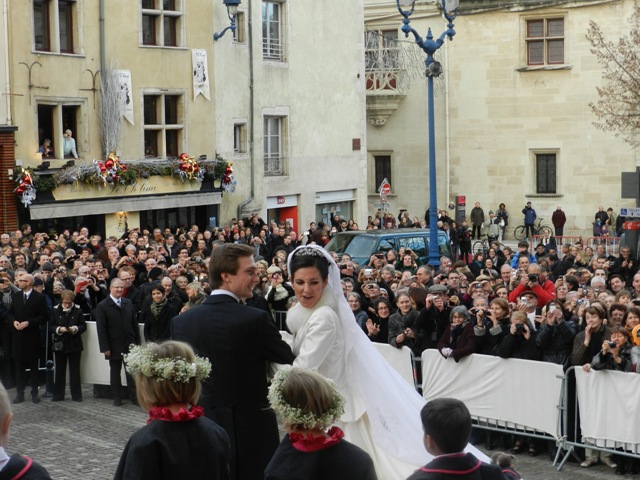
pixel 27 313
pixel 239 341
pixel 117 329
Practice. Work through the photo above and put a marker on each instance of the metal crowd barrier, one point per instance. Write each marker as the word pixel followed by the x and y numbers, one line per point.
pixel 599 412
pixel 612 244
pixel 503 395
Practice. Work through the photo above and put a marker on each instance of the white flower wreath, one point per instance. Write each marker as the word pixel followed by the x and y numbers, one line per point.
pixel 141 360
pixel 294 415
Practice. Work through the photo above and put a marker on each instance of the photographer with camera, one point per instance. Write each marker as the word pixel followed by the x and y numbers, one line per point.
pixel 434 318
pixel 409 262
pixel 521 340
pixel 535 282
pixel 615 353
pixel 278 291
pixel 491 325
pixel 556 335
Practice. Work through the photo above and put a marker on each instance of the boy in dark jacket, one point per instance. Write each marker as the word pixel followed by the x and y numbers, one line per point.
pixel 447 428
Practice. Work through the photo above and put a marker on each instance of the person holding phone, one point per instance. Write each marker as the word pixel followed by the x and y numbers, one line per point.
pixel 556 335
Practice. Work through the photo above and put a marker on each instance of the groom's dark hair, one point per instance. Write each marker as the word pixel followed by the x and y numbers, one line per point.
pixel 224 259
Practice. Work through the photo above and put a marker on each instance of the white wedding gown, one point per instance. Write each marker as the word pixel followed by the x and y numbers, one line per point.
pixel 382 411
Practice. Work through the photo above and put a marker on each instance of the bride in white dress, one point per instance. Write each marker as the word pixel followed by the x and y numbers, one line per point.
pixel 382 411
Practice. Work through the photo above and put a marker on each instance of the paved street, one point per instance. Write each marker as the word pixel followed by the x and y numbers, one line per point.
pixel 84 440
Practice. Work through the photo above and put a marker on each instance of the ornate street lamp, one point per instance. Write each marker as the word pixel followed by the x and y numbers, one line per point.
pixel 232 11
pixel 433 69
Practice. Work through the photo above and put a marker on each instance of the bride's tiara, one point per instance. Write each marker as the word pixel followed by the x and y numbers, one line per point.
pixel 308 252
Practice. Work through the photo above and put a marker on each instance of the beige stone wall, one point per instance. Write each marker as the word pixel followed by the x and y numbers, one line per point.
pixel 319 88
pixel 498 117
pixel 152 68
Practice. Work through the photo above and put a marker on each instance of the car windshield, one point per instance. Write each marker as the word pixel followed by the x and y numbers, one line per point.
pixel 357 246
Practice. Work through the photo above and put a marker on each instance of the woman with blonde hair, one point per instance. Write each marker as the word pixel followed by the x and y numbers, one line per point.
pixel 178 440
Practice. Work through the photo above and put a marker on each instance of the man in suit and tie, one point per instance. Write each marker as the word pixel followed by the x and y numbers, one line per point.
pixel 548 241
pixel 239 341
pixel 117 329
pixel 27 313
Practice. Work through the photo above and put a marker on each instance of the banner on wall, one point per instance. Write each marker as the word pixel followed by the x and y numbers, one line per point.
pixel 126 102
pixel 200 73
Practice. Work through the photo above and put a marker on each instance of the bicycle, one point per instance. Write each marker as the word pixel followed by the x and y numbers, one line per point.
pixel 483 245
pixel 520 232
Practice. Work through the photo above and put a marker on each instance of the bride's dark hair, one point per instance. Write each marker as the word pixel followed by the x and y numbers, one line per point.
pixel 309 257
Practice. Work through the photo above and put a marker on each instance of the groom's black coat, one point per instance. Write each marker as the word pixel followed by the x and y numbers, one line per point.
pixel 239 341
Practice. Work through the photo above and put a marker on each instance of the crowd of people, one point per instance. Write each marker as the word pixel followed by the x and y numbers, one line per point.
pixel 561 303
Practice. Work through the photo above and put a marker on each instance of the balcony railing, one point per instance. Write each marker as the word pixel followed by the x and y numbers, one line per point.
pixel 273 165
pixel 272 51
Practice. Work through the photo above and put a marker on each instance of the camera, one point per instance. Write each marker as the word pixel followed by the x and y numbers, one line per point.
pixel 520 327
pixel 343 267
pixel 379 255
pixel 368 271
pixel 533 277
pixel 477 285
pixel 612 344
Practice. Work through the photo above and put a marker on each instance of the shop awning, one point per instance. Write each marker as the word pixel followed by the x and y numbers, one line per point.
pixel 120 204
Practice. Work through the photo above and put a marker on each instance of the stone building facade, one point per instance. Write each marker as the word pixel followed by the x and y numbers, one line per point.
pixel 513 122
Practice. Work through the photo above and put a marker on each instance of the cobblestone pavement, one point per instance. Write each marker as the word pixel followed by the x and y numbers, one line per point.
pixel 84 440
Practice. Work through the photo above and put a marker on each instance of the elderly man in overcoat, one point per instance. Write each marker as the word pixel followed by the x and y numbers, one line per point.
pixel 117 329
pixel 27 313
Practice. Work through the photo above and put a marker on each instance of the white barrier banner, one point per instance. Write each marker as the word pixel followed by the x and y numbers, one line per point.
pixel 612 398
pixel 510 391
pixel 93 366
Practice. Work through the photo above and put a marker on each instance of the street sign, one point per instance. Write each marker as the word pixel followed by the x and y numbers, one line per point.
pixel 630 212
pixel 384 190
pixel 631 225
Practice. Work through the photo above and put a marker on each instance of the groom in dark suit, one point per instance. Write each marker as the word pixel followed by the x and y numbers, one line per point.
pixel 117 329
pixel 239 341
pixel 27 313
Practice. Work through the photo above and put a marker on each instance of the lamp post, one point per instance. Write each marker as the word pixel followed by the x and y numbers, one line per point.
pixel 433 69
pixel 232 11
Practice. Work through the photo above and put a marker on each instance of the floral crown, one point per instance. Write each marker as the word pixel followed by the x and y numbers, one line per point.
pixel 177 369
pixel 295 415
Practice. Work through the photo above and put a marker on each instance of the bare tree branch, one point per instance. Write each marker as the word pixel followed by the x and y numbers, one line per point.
pixel 618 106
